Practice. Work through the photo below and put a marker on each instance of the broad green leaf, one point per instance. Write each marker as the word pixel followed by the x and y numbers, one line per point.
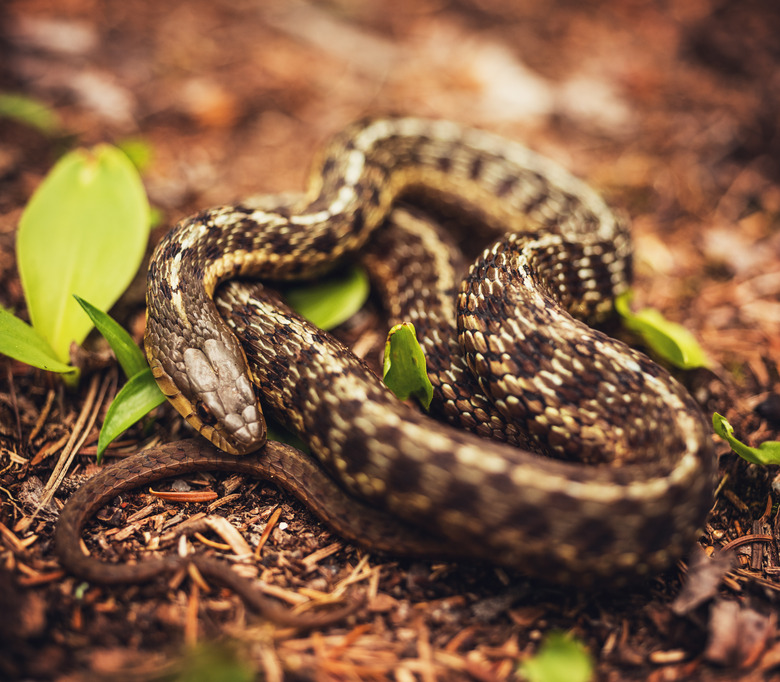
pixel 332 300
pixel 83 232
pixel 560 658
pixel 29 111
pixel 669 340
pixel 21 342
pixel 137 397
pixel 766 453
pixel 404 369
pixel 128 354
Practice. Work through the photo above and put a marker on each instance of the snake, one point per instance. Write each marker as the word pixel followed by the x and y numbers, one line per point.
pixel 579 460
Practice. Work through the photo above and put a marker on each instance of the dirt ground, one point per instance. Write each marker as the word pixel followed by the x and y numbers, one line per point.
pixel 668 108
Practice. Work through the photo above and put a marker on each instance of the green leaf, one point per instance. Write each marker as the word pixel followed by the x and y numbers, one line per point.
pixel 213 661
pixel 155 217
pixel 21 342
pixel 138 396
pixel 139 151
pixel 766 453
pixel 332 300
pixel 127 352
pixel 404 369
pixel 278 433
pixel 669 340
pixel 29 111
pixel 83 232
pixel 560 658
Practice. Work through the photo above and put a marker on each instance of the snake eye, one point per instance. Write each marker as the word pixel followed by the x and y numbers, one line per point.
pixel 204 413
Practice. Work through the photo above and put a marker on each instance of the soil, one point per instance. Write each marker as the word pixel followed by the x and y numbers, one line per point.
pixel 670 109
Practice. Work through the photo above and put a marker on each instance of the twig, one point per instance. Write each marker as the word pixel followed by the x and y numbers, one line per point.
pixel 81 429
pixel 746 539
pixel 269 526
pixel 43 416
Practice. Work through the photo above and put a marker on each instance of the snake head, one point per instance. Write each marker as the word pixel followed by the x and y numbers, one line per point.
pixel 206 384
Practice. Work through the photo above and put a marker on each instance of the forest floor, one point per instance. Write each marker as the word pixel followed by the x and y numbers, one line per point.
pixel 669 109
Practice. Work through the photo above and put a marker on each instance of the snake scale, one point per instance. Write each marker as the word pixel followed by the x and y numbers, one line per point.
pixel 624 478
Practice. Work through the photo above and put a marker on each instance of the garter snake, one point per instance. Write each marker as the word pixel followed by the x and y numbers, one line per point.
pixel 629 480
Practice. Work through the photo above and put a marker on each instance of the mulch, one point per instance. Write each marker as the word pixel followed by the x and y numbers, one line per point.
pixel 669 109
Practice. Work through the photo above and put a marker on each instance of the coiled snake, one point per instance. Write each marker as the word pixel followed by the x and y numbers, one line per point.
pixel 629 478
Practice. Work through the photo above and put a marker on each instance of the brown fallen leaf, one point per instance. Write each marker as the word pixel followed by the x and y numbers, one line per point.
pixel 704 576
pixel 738 635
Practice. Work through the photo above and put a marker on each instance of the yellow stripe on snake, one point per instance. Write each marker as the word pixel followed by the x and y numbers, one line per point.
pixel 627 476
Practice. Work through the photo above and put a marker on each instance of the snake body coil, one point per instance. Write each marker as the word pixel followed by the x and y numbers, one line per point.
pixel 200 365
pixel 542 378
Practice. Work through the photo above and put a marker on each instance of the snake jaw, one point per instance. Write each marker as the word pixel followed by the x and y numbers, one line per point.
pixel 225 397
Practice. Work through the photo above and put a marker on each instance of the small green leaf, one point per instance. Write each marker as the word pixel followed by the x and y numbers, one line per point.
pixel 332 300
pixel 155 217
pixel 127 352
pixel 83 232
pixel 29 111
pixel 21 342
pixel 669 340
pixel 138 396
pixel 404 369
pixel 560 658
pixel 278 433
pixel 139 151
pixel 213 661
pixel 766 453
